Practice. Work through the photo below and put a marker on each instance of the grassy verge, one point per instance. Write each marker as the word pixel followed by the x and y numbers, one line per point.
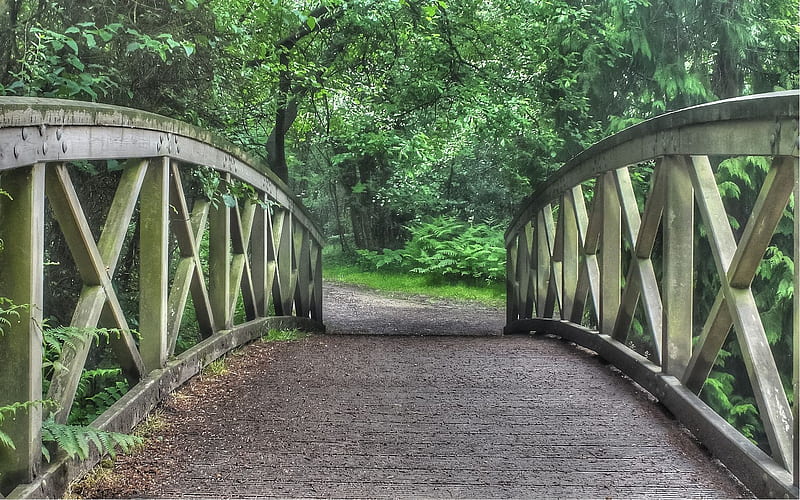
pixel 336 268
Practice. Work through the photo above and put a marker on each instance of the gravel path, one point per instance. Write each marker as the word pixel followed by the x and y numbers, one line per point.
pixel 414 416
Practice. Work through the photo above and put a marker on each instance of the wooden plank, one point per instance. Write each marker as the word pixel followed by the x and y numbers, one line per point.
pixel 610 255
pixel 98 292
pixel 764 218
pixel 522 272
pixel 109 245
pixel 589 275
pixel 723 246
pixel 512 283
pixel 189 276
pixel 279 219
pixel 154 264
pixel 651 217
pixel 241 274
pixel 555 253
pixel 303 252
pixel 678 284
pixel 316 263
pixel 641 280
pixel 283 290
pixel 569 243
pixel 260 241
pixel 544 226
pixel 219 264
pixel 21 271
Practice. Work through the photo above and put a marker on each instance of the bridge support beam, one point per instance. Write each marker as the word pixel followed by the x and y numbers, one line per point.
pixel 154 279
pixel 678 285
pixel 21 268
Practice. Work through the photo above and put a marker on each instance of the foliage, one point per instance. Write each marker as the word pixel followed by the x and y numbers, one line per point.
pixel 98 389
pixel 741 412
pixel 59 64
pixel 216 368
pixel 58 338
pixel 11 410
pixel 274 335
pixel 448 249
pixel 76 440
pixel 9 311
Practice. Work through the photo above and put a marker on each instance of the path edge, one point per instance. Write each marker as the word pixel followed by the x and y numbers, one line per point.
pixel 754 468
pixel 137 403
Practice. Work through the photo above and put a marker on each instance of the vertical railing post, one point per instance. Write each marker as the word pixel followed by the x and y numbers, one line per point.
pixel 569 245
pixel 316 263
pixel 610 255
pixel 153 272
pixel 512 286
pixel 219 263
pixel 21 268
pixel 259 247
pixel 677 288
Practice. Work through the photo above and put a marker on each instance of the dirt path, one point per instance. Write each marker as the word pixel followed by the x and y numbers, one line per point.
pixel 385 314
pixel 410 416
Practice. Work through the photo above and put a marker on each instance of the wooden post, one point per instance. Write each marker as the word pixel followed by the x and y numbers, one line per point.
pixel 259 246
pixel 569 246
pixel 678 289
pixel 219 263
pixel 21 268
pixel 153 273
pixel 610 255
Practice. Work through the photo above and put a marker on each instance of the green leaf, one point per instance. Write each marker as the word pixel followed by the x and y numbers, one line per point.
pixel 229 200
pixel 72 45
pixel 91 42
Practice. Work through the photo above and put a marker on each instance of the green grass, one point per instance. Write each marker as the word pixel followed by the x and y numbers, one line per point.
pixel 283 335
pixel 336 268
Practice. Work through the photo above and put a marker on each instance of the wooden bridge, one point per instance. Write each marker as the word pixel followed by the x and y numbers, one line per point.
pixel 591 275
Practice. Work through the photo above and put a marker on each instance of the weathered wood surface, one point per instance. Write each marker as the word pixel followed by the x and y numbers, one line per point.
pixel 40 142
pixel 571 269
pixel 365 416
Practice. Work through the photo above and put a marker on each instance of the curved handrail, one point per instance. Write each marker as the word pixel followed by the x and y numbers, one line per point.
pixel 706 129
pixel 57 133
pixel 565 264
pixel 264 255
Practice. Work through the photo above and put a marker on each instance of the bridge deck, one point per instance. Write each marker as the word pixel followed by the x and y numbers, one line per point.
pixel 368 416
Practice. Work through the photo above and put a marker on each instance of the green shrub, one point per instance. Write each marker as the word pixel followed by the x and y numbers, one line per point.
pixel 446 248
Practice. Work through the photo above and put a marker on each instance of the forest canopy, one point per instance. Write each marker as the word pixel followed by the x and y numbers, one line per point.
pixel 385 112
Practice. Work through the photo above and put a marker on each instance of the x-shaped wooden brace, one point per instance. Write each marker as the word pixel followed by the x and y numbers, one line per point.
pixel 588 242
pixel 735 304
pixel 641 233
pixel 188 230
pixel 241 273
pixel 285 269
pixel 96 263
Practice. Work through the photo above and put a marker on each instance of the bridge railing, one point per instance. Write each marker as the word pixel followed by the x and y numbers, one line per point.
pixel 246 263
pixel 591 274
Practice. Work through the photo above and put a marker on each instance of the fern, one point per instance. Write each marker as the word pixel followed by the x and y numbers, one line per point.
pixel 445 248
pixel 12 409
pixel 94 401
pixel 8 312
pixel 76 440
pixel 56 339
